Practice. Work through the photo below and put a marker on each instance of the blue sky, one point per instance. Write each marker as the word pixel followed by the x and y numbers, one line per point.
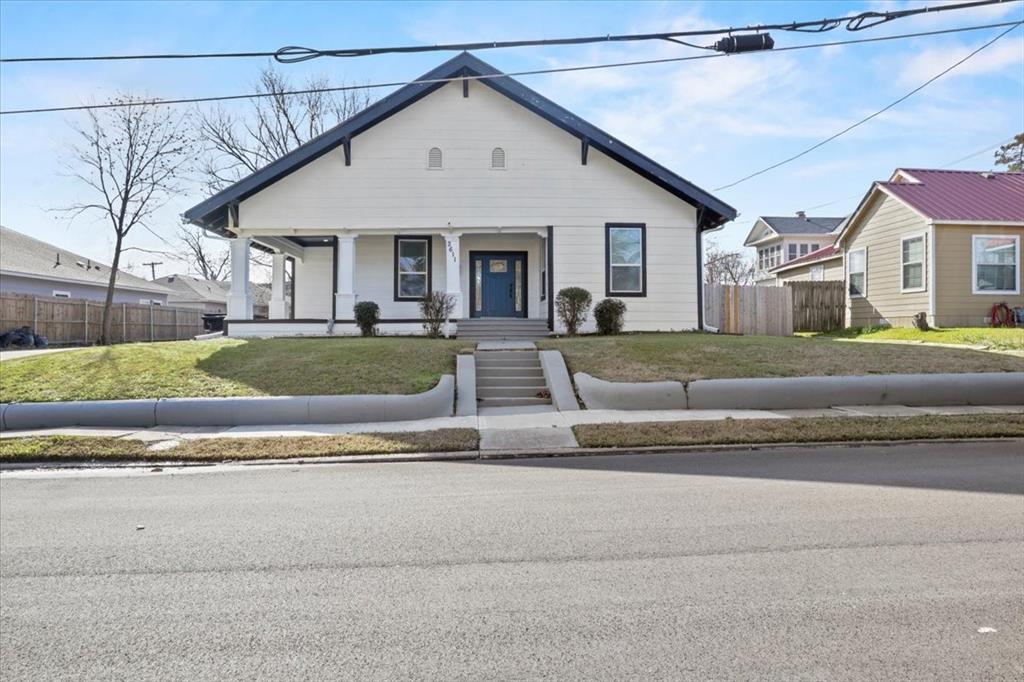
pixel 711 121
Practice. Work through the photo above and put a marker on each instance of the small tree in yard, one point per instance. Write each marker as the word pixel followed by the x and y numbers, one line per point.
pixel 609 314
pixel 367 314
pixel 572 305
pixel 436 307
pixel 130 158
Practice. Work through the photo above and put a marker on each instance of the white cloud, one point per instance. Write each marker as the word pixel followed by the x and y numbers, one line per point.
pixel 1003 55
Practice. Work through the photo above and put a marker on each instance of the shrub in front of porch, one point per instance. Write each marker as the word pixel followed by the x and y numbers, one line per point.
pixel 367 314
pixel 436 307
pixel 610 316
pixel 572 305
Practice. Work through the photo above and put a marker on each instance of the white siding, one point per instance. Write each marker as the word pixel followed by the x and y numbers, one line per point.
pixel 388 187
pixel 313 286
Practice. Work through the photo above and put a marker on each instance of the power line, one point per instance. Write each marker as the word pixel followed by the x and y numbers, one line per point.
pixel 533 72
pixel 293 53
pixel 868 118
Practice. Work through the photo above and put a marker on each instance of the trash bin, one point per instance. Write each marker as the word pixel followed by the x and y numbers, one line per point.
pixel 213 322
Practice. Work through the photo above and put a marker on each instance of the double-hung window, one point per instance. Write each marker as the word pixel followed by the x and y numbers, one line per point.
pixel 792 252
pixel 996 261
pixel 857 272
pixel 412 268
pixel 912 263
pixel 625 259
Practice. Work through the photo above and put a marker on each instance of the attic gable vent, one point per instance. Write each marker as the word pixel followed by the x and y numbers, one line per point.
pixel 434 158
pixel 498 158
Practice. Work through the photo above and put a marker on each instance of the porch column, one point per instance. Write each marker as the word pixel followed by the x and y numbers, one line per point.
pixel 452 269
pixel 240 298
pixel 278 309
pixel 345 291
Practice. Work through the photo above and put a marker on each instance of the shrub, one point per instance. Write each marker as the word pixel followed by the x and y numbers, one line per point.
pixel 572 305
pixel 609 315
pixel 436 308
pixel 367 314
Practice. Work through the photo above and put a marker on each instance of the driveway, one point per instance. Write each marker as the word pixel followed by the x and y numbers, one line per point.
pixel 838 563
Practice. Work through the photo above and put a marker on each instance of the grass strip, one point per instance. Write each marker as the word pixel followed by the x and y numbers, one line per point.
pixel 800 430
pixel 91 448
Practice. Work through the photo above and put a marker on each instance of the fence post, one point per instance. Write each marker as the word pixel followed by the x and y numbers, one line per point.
pixel 124 323
pixel 86 318
pixel 175 324
pixel 35 314
pixel 151 322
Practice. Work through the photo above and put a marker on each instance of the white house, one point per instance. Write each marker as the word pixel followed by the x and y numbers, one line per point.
pixel 781 239
pixel 470 183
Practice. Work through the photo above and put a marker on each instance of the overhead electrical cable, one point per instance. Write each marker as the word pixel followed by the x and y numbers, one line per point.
pixel 871 116
pixel 293 53
pixel 533 72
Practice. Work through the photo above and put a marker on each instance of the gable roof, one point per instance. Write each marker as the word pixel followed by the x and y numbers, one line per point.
pixel 960 196
pixel 797 225
pixel 826 253
pixel 27 256
pixel 188 288
pixel 212 213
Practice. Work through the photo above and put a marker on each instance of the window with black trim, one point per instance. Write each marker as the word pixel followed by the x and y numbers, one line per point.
pixel 412 268
pixel 625 259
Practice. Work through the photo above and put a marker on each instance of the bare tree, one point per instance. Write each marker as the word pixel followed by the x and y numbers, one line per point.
pixel 237 144
pixel 130 158
pixel 204 259
pixel 727 267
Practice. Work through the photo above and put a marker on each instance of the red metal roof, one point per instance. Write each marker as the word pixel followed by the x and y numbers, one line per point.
pixel 814 256
pixel 952 195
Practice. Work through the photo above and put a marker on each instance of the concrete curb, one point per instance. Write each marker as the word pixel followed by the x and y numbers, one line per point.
pixel 325 409
pixel 485 455
pixel 465 385
pixel 557 377
pixel 936 390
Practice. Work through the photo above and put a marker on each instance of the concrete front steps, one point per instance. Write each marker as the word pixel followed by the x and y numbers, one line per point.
pixel 502 329
pixel 510 379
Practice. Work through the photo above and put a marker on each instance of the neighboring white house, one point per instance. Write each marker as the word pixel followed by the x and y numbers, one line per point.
pixel 29 266
pixel 780 239
pixel 482 189
pixel 192 292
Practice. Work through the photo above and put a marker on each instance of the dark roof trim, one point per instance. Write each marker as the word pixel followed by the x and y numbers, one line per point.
pixel 212 213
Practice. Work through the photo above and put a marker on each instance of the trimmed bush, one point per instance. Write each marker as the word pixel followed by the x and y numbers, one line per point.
pixel 367 314
pixel 572 305
pixel 436 307
pixel 609 315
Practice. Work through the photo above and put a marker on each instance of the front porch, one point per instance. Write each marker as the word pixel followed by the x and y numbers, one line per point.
pixel 495 274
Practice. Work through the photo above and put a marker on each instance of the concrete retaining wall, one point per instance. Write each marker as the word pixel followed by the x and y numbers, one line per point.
pixel 465 385
pixel 983 388
pixel 557 377
pixel 326 409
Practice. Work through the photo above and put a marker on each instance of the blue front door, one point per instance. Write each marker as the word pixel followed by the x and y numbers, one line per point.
pixel 499 285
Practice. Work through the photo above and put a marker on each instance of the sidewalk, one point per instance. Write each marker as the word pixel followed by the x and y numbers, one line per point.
pixel 518 430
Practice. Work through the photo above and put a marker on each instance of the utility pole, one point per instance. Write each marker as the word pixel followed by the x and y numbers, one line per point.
pixel 152 269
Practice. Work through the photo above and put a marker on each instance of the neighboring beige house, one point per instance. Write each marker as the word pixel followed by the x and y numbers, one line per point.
pixel 192 292
pixel 779 240
pixel 479 188
pixel 946 243
pixel 823 265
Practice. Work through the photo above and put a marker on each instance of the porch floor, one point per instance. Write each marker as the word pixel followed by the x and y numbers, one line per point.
pixel 502 329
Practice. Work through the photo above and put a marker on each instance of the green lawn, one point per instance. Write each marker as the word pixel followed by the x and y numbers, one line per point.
pixel 231 367
pixel 1003 338
pixel 86 448
pixel 803 430
pixel 688 356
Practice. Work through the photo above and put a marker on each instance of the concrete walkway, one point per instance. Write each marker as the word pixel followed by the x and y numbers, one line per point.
pixel 522 430
pixel 32 352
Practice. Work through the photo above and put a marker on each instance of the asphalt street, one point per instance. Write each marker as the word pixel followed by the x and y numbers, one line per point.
pixel 831 563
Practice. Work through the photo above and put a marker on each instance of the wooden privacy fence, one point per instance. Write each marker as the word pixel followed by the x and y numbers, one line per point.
pixel 66 321
pixel 765 311
pixel 818 306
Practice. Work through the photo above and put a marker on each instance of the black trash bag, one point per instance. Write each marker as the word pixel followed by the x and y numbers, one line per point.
pixel 5 339
pixel 41 341
pixel 23 338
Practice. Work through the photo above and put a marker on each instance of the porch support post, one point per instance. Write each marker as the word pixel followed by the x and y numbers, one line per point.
pixel 345 291
pixel 240 298
pixel 453 271
pixel 278 309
